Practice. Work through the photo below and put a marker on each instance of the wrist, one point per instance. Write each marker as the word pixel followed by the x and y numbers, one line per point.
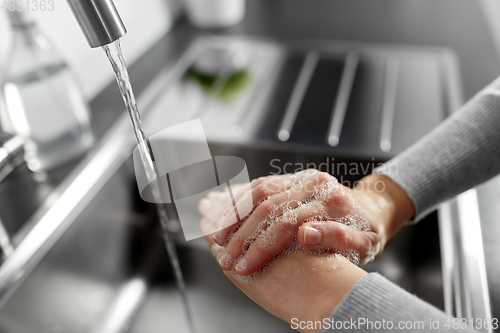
pixel 391 205
pixel 323 299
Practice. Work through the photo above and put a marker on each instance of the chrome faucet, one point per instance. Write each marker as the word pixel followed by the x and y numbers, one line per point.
pixel 100 22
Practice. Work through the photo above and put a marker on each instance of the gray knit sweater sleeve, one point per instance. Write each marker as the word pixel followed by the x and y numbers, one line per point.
pixel 461 153
pixel 376 305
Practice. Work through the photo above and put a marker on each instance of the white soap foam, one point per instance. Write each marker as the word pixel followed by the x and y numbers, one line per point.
pixel 288 212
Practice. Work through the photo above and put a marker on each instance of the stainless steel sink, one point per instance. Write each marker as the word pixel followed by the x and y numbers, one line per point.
pixel 92 259
pixel 111 257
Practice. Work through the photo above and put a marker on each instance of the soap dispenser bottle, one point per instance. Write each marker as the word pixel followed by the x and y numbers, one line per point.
pixel 44 104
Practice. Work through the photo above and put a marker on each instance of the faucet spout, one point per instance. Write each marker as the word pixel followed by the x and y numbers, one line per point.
pixel 100 22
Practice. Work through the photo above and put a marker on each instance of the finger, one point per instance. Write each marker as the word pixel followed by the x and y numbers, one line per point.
pixel 338 202
pixel 211 211
pixel 211 207
pixel 245 200
pixel 248 197
pixel 204 206
pixel 335 236
pixel 237 204
pixel 220 198
pixel 306 181
pixel 206 228
pixel 217 195
pixel 274 207
pixel 256 183
pixel 236 188
pixel 275 239
pixel 265 187
pixel 295 177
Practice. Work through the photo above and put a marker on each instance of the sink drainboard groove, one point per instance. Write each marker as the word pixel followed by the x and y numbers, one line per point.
pixel 299 90
pixel 342 100
pixel 389 103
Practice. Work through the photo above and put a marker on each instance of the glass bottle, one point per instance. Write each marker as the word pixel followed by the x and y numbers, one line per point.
pixel 44 104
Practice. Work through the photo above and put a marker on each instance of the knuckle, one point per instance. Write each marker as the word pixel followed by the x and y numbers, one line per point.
pixel 261 250
pixel 258 181
pixel 275 185
pixel 266 207
pixel 338 197
pixel 322 177
pixel 235 246
pixel 261 191
pixel 375 230
pixel 342 237
pixel 257 256
pixel 284 227
pixel 309 211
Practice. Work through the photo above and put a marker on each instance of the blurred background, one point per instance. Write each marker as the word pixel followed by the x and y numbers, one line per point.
pixel 146 21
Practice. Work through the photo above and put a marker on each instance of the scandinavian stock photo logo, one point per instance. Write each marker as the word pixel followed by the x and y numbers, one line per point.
pixel 186 172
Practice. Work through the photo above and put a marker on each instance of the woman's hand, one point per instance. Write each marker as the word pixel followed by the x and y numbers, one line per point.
pixel 300 285
pixel 320 212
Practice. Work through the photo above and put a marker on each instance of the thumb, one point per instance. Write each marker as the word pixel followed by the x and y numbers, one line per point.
pixel 335 236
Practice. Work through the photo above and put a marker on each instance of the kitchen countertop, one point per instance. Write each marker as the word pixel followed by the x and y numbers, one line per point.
pixel 455 24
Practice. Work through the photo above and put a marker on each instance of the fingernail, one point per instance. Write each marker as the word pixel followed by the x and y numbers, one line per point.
pixel 225 259
pixel 242 264
pixel 218 237
pixel 312 236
